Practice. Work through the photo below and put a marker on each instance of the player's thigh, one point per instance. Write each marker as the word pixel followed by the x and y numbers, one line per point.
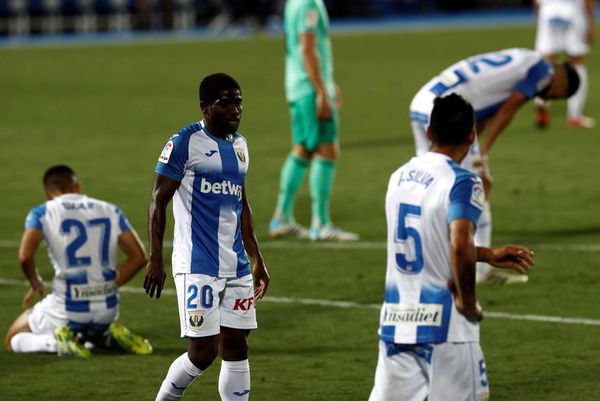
pixel 399 376
pixel 576 44
pixel 237 304
pixel 20 325
pixel 307 130
pixel 198 300
pixel 47 315
pixel 458 373
pixel 552 28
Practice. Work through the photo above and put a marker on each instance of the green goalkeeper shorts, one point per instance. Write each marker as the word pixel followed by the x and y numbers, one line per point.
pixel 307 130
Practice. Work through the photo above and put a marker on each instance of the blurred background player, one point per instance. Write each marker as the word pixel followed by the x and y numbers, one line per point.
pixel 82 235
pixel 497 85
pixel 566 27
pixel 313 99
pixel 429 332
pixel 203 168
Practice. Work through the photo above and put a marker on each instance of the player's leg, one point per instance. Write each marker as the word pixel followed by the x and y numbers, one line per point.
pixel 198 299
pixel 35 330
pixel 321 179
pixel 458 372
pixel 399 376
pixel 238 317
pixel 577 48
pixel 234 378
pixel 292 174
pixel 576 103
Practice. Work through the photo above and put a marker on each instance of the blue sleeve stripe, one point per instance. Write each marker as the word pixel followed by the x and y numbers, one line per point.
pixel 463 211
pixel 123 222
pixel 34 218
pixel 538 77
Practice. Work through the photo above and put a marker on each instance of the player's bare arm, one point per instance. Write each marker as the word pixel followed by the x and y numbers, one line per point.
pixel 30 241
pixel 501 119
pixel 463 255
pixel 162 192
pixel 308 41
pixel 516 257
pixel 129 242
pixel 259 270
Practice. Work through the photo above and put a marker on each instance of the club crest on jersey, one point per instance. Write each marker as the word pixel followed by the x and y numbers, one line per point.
pixel 241 155
pixel 166 152
pixel 477 195
pixel 196 318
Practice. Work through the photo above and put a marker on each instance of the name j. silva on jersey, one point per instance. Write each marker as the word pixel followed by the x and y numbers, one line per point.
pixel 418 176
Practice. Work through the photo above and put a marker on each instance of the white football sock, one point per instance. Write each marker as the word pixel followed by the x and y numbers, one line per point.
pixel 576 103
pixel 181 374
pixel 234 380
pixel 29 342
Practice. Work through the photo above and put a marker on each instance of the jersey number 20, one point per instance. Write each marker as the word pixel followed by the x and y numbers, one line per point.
pixel 404 234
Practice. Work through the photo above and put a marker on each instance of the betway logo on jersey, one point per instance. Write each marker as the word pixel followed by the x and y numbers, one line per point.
pixel 416 315
pixel 224 187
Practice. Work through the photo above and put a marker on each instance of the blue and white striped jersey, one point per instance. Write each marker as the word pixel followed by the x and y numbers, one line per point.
pixel 81 234
pixel 486 81
pixel 207 205
pixel 423 197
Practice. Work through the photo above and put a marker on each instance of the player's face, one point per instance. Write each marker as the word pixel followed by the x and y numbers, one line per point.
pixel 225 112
pixel 558 88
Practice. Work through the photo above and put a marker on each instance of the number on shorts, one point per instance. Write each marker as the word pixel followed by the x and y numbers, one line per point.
pixel 204 294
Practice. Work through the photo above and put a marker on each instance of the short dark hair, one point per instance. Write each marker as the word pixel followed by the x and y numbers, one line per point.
pixel 573 79
pixel 59 177
pixel 452 120
pixel 212 84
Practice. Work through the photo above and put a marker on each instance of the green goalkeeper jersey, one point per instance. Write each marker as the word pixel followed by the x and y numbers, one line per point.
pixel 306 16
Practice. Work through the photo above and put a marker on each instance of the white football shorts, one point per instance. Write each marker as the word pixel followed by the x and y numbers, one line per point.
pixel 440 372
pixel 50 313
pixel 562 28
pixel 206 303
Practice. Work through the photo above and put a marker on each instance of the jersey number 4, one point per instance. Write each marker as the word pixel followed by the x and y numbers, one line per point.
pixel 408 239
pixel 70 225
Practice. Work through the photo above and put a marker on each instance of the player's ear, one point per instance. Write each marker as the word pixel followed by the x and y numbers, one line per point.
pixel 472 136
pixel 428 134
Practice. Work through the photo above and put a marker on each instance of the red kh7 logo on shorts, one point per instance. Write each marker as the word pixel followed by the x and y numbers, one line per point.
pixel 243 303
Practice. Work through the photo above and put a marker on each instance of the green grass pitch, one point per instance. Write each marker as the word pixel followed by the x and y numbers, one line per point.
pixel 107 110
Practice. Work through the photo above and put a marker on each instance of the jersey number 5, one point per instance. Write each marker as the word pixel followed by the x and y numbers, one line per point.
pixel 408 214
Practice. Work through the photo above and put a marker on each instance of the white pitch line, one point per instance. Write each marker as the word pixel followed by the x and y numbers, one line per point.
pixel 376 245
pixel 350 305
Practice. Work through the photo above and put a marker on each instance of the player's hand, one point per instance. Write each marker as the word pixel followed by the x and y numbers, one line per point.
pixel 516 257
pixel 36 288
pixel 155 278
pixel 323 106
pixel 469 309
pixel 261 280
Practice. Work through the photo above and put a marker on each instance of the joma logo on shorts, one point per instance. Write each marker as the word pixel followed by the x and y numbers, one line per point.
pixel 243 303
pixel 224 187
